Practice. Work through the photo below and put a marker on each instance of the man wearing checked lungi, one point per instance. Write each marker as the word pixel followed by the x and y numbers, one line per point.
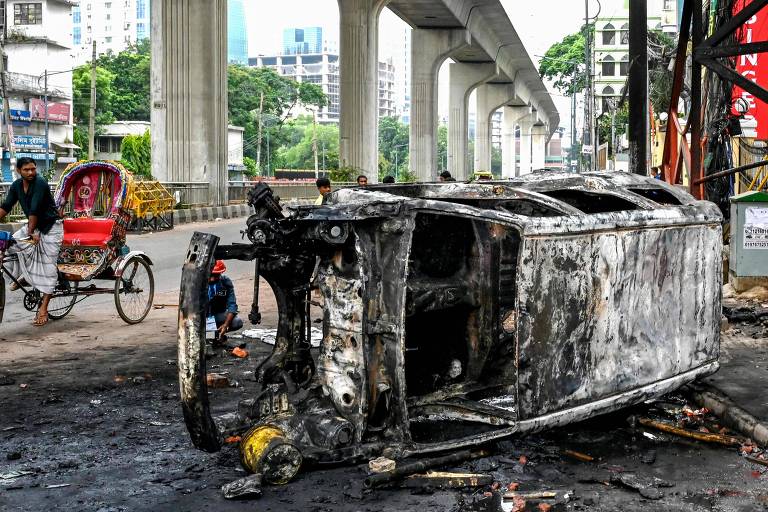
pixel 38 242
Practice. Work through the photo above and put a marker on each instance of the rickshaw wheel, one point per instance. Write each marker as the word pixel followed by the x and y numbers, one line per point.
pixel 134 291
pixel 63 300
pixel 32 300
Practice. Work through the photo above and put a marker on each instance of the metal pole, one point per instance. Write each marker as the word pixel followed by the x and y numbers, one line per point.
pixel 6 108
pixel 572 126
pixel 695 117
pixel 47 135
pixel 314 142
pixel 588 94
pixel 397 171
pixel 638 86
pixel 92 119
pixel 612 143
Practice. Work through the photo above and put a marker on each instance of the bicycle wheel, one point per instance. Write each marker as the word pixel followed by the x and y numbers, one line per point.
pixel 134 291
pixel 63 300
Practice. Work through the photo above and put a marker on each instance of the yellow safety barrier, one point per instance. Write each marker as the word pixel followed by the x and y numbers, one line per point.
pixel 150 197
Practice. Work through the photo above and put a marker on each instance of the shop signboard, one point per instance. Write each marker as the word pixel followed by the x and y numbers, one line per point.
pixel 57 112
pixel 750 67
pixel 29 142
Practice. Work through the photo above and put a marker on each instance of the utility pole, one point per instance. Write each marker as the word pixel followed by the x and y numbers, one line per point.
pixel 47 134
pixel 6 106
pixel 638 87
pixel 587 140
pixel 92 117
pixel 314 142
pixel 258 137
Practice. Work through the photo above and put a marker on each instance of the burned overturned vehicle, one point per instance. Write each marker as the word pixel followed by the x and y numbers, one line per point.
pixel 454 314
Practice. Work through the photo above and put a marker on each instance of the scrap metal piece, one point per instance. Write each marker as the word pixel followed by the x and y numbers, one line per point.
pixel 404 470
pixel 247 487
pixel 446 480
pixel 265 451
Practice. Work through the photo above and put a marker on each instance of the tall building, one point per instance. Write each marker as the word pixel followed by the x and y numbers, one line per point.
pixel 237 34
pixel 113 24
pixel 299 41
pixel 38 39
pixel 323 69
pixel 611 45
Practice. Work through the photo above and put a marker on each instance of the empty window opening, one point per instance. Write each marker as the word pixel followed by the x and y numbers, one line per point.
pixel 592 202
pixel 439 303
pixel 518 206
pixel 658 195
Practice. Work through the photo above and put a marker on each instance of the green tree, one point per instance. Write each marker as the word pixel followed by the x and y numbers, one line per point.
pixel 81 95
pixel 136 151
pixel 620 122
pixel 251 169
pixel 301 155
pixel 248 87
pixel 393 147
pixel 565 62
pixel 131 69
pixel 661 51
pixel 496 161
pixel 442 148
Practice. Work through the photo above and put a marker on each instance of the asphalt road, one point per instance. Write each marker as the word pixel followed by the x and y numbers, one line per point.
pixel 166 249
pixel 90 421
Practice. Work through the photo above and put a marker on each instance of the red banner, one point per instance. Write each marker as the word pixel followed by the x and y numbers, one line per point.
pixel 57 112
pixel 752 67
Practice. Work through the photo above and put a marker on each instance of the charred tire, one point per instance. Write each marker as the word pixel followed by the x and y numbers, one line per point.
pixel 135 290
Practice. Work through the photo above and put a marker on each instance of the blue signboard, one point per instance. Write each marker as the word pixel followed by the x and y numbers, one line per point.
pixel 20 117
pixel 29 142
pixel 36 156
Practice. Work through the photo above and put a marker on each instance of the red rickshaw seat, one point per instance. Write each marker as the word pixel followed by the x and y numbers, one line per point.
pixel 88 232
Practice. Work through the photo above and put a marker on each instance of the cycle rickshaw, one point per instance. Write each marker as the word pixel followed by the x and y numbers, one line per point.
pixel 96 199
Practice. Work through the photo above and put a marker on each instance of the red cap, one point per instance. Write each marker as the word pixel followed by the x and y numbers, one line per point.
pixel 219 268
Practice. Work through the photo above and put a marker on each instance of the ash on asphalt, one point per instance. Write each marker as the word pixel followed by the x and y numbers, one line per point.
pixel 117 442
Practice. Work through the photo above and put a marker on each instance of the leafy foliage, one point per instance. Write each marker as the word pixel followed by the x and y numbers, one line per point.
pixel 251 169
pixel 81 95
pixel 247 86
pixel 131 70
pixel 442 148
pixel 344 174
pixel 298 153
pixel 620 123
pixel 565 63
pixel 136 151
pixel 393 147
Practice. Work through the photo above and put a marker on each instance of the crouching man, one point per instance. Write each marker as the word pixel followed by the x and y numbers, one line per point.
pixel 222 303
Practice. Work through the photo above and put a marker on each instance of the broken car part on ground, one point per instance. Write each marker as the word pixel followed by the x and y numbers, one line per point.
pixel 456 314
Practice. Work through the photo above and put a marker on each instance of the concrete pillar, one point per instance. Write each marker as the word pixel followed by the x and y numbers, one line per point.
pixel 463 79
pixel 539 135
pixel 359 84
pixel 429 50
pixel 490 97
pixel 509 167
pixel 189 93
pixel 526 124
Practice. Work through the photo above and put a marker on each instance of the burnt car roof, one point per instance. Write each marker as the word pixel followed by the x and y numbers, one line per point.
pixel 539 201
pixel 613 182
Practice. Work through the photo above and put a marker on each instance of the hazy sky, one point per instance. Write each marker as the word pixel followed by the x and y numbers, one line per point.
pixel 539 23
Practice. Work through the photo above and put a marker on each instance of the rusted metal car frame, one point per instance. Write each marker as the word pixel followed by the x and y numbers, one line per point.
pixel 455 314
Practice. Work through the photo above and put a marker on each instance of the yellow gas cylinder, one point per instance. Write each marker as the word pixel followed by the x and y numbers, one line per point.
pixel 265 450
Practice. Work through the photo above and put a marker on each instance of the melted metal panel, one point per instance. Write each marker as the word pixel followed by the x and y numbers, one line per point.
pixel 603 313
